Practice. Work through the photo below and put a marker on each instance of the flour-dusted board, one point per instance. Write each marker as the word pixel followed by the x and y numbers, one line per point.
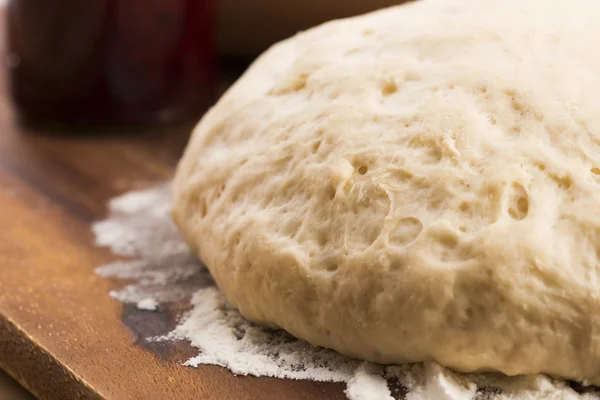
pixel 61 335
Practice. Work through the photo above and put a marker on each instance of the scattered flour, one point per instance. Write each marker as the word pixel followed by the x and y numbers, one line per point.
pixel 148 304
pixel 160 269
pixel 368 383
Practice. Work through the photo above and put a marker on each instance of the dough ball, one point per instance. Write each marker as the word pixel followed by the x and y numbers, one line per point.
pixel 418 183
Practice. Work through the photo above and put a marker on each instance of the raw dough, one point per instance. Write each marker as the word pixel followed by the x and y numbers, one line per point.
pixel 418 183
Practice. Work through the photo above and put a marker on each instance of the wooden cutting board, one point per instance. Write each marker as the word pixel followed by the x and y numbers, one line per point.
pixel 61 335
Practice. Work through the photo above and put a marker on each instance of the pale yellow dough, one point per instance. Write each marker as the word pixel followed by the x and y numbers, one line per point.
pixel 418 183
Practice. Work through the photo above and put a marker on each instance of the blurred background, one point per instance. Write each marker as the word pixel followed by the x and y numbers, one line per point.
pixel 89 63
pixel 111 62
pixel 247 27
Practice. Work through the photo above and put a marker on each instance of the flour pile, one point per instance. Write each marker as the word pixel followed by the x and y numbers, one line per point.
pixel 159 269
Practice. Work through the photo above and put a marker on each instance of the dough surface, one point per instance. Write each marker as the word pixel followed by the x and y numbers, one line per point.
pixel 418 183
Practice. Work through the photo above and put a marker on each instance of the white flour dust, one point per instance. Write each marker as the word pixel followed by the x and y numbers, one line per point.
pixel 159 269
pixel 148 304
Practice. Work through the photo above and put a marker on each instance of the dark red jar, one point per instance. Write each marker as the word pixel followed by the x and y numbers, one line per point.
pixel 105 62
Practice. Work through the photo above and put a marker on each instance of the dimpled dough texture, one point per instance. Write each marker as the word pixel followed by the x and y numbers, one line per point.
pixel 418 183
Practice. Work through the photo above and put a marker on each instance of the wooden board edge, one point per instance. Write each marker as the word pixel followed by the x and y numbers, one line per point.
pixel 36 369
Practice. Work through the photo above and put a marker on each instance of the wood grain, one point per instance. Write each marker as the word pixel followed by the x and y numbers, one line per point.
pixel 61 335
pixel 11 390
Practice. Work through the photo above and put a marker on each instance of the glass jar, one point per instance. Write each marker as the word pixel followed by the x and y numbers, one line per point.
pixel 105 62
